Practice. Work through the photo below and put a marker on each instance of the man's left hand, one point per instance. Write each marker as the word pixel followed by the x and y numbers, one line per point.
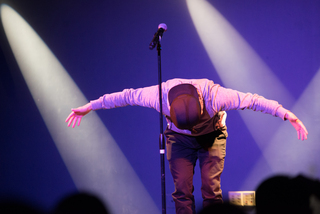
pixel 298 125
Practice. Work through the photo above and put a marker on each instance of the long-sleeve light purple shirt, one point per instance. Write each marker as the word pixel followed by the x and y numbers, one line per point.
pixel 213 97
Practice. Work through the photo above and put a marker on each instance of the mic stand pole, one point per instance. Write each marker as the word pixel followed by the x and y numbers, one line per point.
pixel 161 137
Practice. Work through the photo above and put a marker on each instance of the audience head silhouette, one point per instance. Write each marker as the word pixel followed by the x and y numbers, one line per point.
pixel 81 203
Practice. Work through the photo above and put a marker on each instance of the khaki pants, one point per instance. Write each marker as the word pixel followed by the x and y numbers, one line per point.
pixel 182 153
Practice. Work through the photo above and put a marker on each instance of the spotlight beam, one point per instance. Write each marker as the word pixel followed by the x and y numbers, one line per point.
pixel 294 158
pixel 241 68
pixel 238 66
pixel 93 159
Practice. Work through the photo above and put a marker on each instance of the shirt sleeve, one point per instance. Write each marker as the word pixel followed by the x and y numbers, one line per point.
pixel 145 97
pixel 229 99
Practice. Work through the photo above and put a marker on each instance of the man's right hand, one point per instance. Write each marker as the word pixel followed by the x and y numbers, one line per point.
pixel 77 114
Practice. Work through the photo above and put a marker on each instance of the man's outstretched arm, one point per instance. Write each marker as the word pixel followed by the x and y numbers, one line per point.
pixel 229 99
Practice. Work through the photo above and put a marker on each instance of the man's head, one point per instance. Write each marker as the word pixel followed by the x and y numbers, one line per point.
pixel 185 107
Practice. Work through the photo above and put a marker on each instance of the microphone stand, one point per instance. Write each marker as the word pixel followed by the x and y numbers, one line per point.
pixel 161 137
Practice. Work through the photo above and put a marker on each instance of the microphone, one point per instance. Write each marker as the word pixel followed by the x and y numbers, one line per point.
pixel 158 35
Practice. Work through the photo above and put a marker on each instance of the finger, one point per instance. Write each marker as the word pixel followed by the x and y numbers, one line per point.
pixel 75 122
pixel 305 135
pixel 79 121
pixel 70 115
pixel 70 121
pixel 303 131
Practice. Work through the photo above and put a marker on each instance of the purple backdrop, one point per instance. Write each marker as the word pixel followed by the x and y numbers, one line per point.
pixel 103 45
